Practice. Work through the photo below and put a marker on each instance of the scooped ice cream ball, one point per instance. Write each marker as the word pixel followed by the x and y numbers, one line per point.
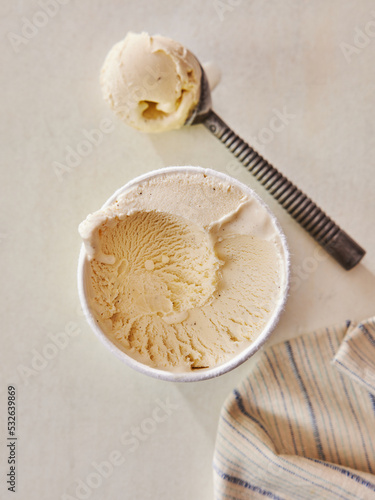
pixel 151 82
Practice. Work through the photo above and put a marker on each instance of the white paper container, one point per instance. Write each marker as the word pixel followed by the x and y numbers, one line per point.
pixel 195 375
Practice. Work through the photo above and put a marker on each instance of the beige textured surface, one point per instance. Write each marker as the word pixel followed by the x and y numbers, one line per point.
pixel 80 404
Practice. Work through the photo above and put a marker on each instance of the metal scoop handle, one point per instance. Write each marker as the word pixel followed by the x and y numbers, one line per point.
pixel 328 234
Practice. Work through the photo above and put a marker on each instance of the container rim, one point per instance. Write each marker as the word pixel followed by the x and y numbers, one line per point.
pixel 206 373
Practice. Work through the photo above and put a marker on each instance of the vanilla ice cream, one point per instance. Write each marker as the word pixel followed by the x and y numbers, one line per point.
pixel 186 270
pixel 151 82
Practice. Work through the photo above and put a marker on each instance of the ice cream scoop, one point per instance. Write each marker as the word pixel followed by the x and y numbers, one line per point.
pixel 180 94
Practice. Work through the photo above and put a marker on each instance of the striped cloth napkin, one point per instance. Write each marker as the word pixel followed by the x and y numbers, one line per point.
pixel 302 424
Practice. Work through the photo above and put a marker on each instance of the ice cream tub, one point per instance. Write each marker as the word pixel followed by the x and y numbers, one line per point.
pixel 183 273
